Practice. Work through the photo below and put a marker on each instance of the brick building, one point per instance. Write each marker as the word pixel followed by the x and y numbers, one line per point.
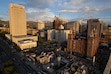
pixel 92 43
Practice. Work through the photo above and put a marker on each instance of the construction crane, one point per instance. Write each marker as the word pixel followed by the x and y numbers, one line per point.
pixel 107 69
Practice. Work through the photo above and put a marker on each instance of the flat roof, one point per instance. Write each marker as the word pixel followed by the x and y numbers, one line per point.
pixel 23 36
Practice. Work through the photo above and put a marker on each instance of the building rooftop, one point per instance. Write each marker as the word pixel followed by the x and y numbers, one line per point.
pixel 26 41
pixel 16 5
pixel 23 36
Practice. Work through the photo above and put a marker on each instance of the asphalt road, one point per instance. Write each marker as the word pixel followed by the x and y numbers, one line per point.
pixel 22 66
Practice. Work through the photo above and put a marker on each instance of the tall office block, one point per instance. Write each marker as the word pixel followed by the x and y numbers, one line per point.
pixel 18 28
pixel 94 23
pixel 94 30
pixel 17 20
pixel 73 25
pixel 92 43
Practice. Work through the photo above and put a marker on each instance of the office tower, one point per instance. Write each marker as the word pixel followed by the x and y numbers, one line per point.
pixel 17 20
pixel 92 43
pixel 18 30
pixel 94 23
pixel 73 25
pixel 94 30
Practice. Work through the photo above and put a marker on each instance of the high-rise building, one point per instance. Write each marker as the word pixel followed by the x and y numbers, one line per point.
pixel 17 20
pixel 92 43
pixel 73 25
pixel 18 28
pixel 94 31
pixel 94 23
pixel 86 45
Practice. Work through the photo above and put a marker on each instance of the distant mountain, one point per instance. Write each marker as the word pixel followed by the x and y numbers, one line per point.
pixel 2 23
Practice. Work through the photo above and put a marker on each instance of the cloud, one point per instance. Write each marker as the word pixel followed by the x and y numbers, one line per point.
pixel 89 10
pixel 85 10
pixel 39 3
pixel 39 14
pixel 67 11
pixel 1 17
pixel 85 6
pixel 39 9
pixel 76 1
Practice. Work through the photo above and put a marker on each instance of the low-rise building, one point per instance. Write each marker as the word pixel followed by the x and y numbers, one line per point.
pixel 58 35
pixel 40 25
pixel 45 58
pixel 32 31
pixel 24 42
pixel 4 29
pixel 28 43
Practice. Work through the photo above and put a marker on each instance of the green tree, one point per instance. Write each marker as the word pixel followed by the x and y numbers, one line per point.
pixel 2 34
pixel 9 68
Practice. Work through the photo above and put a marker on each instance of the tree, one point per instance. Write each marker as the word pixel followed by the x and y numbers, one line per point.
pixel 9 68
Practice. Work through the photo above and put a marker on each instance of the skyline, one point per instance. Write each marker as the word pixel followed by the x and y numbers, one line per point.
pixel 33 45
pixel 68 9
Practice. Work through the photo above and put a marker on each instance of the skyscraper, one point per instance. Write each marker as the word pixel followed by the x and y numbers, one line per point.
pixel 17 20
pixel 73 25
pixel 94 23
pixel 92 43
pixel 18 28
pixel 94 30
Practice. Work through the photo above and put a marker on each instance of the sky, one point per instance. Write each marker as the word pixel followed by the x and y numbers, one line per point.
pixel 68 9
